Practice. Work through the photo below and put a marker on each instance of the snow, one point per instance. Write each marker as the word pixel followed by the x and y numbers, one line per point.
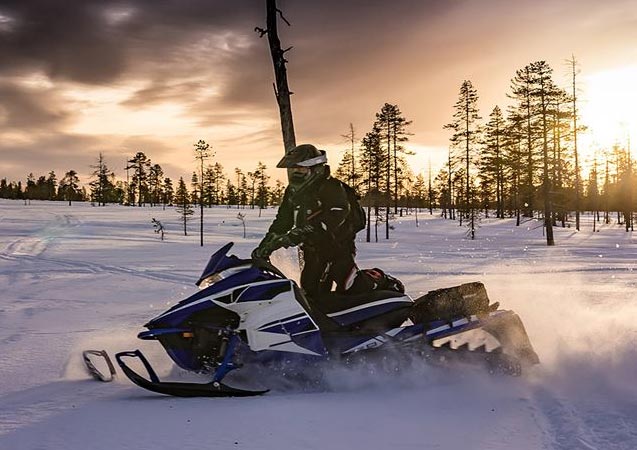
pixel 81 277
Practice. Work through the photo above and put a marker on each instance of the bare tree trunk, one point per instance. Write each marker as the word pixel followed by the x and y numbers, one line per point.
pixel 367 235
pixel 577 180
pixel 450 186
pixel 547 181
pixel 281 91
pixel 201 205
pixel 387 208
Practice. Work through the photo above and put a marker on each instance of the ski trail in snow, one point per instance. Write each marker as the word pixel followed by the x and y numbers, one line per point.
pixel 33 405
pixel 573 424
pixel 37 244
pixel 565 429
pixel 31 249
pixel 90 267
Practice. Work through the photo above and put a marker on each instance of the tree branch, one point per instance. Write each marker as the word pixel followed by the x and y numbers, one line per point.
pixel 262 32
pixel 283 18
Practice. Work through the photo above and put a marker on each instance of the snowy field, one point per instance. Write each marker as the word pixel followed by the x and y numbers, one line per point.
pixel 83 277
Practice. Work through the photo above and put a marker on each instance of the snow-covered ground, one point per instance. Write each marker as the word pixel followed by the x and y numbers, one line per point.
pixel 80 277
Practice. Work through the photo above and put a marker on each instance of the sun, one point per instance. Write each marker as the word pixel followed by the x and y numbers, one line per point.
pixel 608 100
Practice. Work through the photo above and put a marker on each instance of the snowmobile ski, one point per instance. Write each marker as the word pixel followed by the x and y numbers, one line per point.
pixel 94 371
pixel 178 389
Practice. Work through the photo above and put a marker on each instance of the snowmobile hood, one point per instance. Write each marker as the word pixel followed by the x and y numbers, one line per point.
pixel 220 261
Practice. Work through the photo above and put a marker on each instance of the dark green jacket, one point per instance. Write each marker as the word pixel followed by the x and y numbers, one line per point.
pixel 321 214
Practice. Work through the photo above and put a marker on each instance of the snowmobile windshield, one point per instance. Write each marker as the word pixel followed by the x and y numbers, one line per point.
pixel 218 276
pixel 219 262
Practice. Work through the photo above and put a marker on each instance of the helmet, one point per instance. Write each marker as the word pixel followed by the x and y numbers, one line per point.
pixel 307 164
pixel 304 155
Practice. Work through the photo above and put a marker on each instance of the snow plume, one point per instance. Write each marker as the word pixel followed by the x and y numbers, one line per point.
pixel 393 371
pixel 581 325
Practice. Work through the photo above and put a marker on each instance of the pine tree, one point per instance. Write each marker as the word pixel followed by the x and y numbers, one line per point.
pixel 261 186
pixel 374 162
pixel 102 186
pixel 4 189
pixel 419 191
pixel 347 170
pixel 252 191
pixel 522 93
pixel 276 194
pixel 214 178
pixel 344 171
pixel 69 189
pixel 544 90
pixel 513 144
pixel 202 152
pixel 466 136
pixel 50 186
pixel 155 177
pixel 492 160
pixel 393 126
pixel 138 187
pixel 183 205
pixel 592 193
pixel 240 192
pixel 29 189
pixel 167 192
pixel 231 194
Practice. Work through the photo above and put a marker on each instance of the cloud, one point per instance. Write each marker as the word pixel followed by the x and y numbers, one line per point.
pixel 204 58
pixel 164 91
pixel 44 152
pixel 28 108
pixel 97 42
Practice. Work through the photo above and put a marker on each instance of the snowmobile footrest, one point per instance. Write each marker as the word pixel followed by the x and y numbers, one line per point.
pixel 177 389
pixel 94 371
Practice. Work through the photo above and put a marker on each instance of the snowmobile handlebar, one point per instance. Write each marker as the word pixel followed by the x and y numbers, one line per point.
pixel 264 263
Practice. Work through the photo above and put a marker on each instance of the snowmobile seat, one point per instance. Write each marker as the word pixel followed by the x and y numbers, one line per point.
pixel 346 310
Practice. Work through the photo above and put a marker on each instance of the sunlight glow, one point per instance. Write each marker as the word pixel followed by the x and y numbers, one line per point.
pixel 608 108
pixel 103 114
pixel 426 156
pixel 36 80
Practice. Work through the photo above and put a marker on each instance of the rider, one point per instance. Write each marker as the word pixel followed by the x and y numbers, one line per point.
pixel 316 215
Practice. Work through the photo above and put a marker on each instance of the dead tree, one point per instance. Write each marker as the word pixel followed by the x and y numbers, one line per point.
pixel 573 63
pixel 281 90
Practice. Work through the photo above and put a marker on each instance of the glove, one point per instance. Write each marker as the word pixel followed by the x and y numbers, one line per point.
pixel 263 250
pixel 297 235
pixel 268 245
pixel 284 241
pixel 260 253
pixel 273 242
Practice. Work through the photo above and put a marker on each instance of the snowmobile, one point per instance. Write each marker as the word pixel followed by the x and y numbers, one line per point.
pixel 247 312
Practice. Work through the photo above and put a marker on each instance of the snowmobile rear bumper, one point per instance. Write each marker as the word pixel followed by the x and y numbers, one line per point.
pixel 212 389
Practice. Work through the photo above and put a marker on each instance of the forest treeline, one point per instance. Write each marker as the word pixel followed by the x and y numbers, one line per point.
pixel 519 162
pixel 146 185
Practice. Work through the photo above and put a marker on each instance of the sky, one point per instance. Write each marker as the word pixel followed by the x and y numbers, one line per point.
pixel 82 77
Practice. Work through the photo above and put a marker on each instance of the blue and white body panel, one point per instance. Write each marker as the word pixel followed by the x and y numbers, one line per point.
pixel 372 309
pixel 269 314
pixel 274 323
